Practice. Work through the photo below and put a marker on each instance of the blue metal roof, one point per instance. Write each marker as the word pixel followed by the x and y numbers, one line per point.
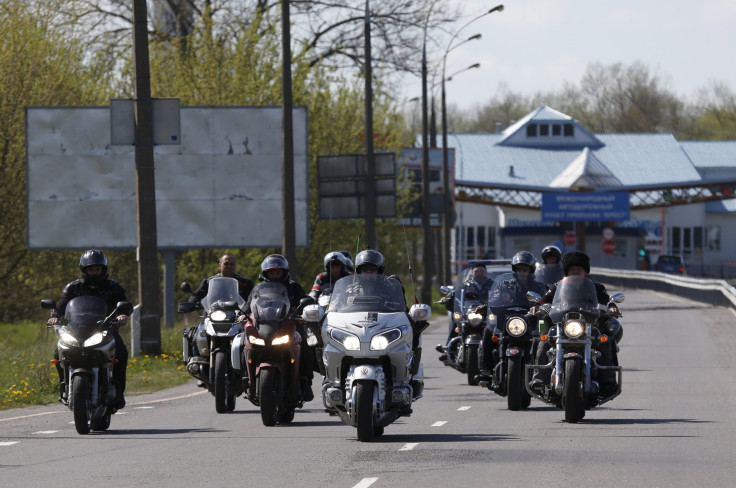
pixel 711 154
pixel 721 206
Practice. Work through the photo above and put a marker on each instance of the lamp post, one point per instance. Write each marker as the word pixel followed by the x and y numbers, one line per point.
pixel 447 207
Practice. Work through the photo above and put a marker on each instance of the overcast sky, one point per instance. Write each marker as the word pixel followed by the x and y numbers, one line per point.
pixel 537 45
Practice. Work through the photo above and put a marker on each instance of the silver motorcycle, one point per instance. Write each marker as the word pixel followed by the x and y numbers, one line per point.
pixel 368 356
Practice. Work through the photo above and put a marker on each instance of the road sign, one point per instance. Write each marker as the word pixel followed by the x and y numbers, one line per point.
pixel 571 239
pixel 607 234
pixel 608 247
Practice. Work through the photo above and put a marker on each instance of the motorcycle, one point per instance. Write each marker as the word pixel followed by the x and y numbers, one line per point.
pixel 515 335
pixel 86 354
pixel 461 352
pixel 213 338
pixel 368 357
pixel 267 353
pixel 574 355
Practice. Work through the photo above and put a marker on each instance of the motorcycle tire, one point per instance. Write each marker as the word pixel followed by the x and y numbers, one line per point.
pixel 286 416
pixel 102 424
pixel 364 411
pixel 471 364
pixel 515 383
pixel 269 395
pixel 572 395
pixel 80 400
pixel 231 402
pixel 220 382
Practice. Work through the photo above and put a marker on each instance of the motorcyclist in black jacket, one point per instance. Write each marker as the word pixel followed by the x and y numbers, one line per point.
pixel 577 263
pixel 275 269
pixel 335 265
pixel 96 282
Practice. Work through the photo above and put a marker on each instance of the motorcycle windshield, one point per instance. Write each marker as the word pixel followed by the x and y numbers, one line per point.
pixel 549 274
pixel 270 302
pixel 467 295
pixel 222 289
pixel 85 312
pixel 575 294
pixel 367 293
pixel 507 292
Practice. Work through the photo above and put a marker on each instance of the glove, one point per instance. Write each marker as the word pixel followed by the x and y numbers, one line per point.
pixel 52 321
pixel 121 320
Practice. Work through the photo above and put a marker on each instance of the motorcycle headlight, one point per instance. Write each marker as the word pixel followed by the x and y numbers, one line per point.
pixel 516 326
pixel 457 316
pixel 574 329
pixel 68 339
pixel 284 339
pixel 348 341
pixel 94 340
pixel 381 341
pixel 218 316
pixel 258 341
pixel 474 318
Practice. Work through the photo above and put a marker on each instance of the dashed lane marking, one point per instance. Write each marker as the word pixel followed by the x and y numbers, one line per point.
pixel 409 446
pixel 439 423
pixel 463 408
pixel 365 482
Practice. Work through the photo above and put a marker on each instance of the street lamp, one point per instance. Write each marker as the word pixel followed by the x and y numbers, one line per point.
pixel 447 207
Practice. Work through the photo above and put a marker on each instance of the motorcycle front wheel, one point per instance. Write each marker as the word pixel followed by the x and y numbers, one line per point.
pixel 572 395
pixel 471 364
pixel 101 424
pixel 221 382
pixel 515 385
pixel 80 399
pixel 364 411
pixel 269 396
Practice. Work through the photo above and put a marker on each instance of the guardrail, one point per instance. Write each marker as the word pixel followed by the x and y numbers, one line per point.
pixel 715 292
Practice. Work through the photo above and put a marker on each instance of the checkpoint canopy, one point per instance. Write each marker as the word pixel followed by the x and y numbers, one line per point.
pixel 221 187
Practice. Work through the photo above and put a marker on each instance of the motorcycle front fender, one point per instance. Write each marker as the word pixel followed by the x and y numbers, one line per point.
pixel 472 340
pixel 365 372
pixel 235 352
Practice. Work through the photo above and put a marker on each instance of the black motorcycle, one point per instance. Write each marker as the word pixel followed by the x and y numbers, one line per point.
pixel 461 352
pixel 86 355
pixel 575 341
pixel 515 334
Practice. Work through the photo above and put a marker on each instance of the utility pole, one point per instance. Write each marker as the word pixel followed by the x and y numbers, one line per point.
pixel 288 244
pixel 147 252
pixel 370 184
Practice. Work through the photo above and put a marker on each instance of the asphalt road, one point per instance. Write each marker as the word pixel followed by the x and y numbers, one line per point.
pixel 671 427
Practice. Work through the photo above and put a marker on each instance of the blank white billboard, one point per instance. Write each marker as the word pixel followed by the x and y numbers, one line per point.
pixel 220 188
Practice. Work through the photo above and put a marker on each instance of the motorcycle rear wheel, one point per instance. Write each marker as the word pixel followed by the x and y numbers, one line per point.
pixel 269 394
pixel 80 399
pixel 364 411
pixel 471 364
pixel 220 382
pixel 572 395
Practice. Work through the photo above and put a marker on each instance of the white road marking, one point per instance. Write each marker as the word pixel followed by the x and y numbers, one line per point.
pixel 46 432
pixel 439 424
pixel 144 408
pixel 32 415
pixel 3 444
pixel 409 446
pixel 365 482
pixel 463 408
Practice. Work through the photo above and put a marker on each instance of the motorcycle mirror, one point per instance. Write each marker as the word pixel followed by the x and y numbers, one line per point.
pixel 533 297
pixel 186 287
pixel 124 307
pixel 617 297
pixel 445 289
pixel 48 303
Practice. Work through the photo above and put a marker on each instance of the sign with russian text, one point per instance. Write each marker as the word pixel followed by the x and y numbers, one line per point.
pixel 585 207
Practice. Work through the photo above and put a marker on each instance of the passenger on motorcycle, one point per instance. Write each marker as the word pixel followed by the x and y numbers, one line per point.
pixel 522 266
pixel 96 282
pixel 476 287
pixel 348 261
pixel 372 262
pixel 577 263
pixel 335 265
pixel 275 269
pixel 228 266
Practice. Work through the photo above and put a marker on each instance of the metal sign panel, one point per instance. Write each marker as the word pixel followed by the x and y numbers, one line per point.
pixel 220 188
pixel 585 207
pixel 166 121
pixel 410 163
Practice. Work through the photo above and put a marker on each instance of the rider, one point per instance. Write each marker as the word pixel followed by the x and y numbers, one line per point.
pixel 372 262
pixel 577 263
pixel 227 266
pixel 549 271
pixel 275 269
pixel 522 266
pixel 96 282
pixel 335 268
pixel 476 287
pixel 348 261
pixel 551 255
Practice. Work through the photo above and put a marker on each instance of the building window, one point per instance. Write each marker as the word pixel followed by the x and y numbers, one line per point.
pixel 531 130
pixel 713 237
pixel 556 129
pixel 543 130
pixel 569 130
pixel 698 240
pixel 675 240
pixel 687 246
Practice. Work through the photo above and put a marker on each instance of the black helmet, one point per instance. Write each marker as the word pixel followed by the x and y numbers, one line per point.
pixel 523 257
pixel 369 256
pixel 93 257
pixel 576 258
pixel 551 251
pixel 274 261
pixel 348 260
pixel 334 257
